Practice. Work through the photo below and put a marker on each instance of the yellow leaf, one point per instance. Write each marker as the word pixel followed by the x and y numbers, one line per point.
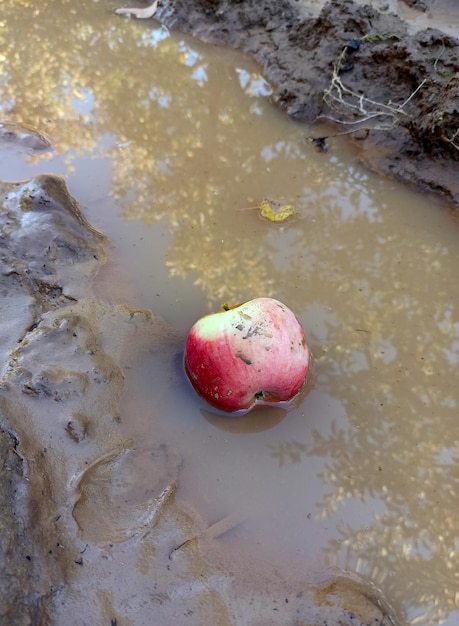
pixel 276 212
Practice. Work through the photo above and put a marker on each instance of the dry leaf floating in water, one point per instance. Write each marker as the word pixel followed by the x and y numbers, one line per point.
pixel 275 211
pixel 140 13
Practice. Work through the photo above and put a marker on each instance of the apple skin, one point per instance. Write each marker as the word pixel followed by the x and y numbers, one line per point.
pixel 253 353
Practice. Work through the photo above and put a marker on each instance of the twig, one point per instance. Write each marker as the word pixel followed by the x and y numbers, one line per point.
pixel 452 139
pixel 353 108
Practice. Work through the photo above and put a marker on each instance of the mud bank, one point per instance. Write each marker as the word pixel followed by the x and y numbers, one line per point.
pixel 59 394
pixel 356 68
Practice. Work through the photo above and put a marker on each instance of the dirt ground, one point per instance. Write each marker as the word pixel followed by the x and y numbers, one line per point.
pixel 353 69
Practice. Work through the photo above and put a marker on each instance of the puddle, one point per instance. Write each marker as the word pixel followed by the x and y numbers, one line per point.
pixel 441 14
pixel 170 146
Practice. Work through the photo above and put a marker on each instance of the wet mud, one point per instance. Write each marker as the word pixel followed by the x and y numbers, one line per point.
pixel 354 67
pixel 419 5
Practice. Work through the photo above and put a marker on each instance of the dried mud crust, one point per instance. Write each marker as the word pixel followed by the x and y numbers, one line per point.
pixel 402 89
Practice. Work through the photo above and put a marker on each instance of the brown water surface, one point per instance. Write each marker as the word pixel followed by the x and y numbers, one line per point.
pixel 170 145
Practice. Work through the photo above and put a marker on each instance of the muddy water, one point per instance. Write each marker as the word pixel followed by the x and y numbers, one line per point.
pixel 442 14
pixel 170 146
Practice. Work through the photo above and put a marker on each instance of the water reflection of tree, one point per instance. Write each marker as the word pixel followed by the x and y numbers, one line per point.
pixel 99 93
pixel 398 445
pixel 109 90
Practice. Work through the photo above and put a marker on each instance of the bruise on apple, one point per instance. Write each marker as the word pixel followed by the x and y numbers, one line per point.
pixel 253 353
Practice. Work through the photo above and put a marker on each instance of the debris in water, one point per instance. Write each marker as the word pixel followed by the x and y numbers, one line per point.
pixel 275 211
pixel 140 13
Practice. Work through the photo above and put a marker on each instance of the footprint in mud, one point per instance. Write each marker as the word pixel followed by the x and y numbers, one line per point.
pixel 348 600
pixel 123 493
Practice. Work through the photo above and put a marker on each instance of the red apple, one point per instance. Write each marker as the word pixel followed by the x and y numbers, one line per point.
pixel 255 352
